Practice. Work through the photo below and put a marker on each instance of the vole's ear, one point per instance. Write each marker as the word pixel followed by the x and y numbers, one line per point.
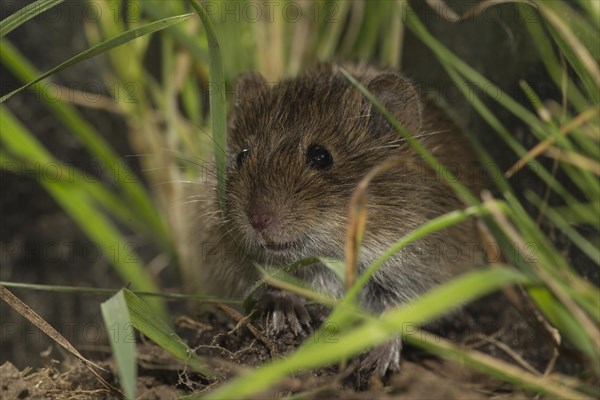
pixel 248 87
pixel 400 97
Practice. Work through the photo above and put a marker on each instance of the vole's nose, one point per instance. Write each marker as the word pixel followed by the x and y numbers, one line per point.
pixel 261 219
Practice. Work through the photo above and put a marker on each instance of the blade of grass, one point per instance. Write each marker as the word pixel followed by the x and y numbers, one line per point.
pixel 141 203
pixel 103 48
pixel 157 12
pixel 453 64
pixel 341 317
pixel 126 59
pixel 551 62
pixel 69 174
pixel 556 275
pixel 508 138
pixel 450 60
pixel 118 324
pixel 335 265
pixel 433 163
pixel 553 386
pixel 583 178
pixel 332 31
pixel 32 156
pixel 569 326
pixel 593 9
pixel 370 30
pixel 111 292
pixel 217 101
pixel 16 304
pixel 394 37
pixel 79 205
pixel 145 320
pixel 578 55
pixel 435 225
pixel 567 213
pixel 542 146
pixel 32 10
pixel 282 280
pixel 552 267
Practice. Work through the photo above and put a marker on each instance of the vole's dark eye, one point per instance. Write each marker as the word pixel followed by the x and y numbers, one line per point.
pixel 241 157
pixel 318 157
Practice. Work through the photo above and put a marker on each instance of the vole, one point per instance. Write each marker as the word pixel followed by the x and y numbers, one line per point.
pixel 296 151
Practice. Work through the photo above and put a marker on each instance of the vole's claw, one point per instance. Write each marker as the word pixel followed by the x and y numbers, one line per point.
pixel 275 322
pixel 284 310
pixel 383 358
pixel 303 315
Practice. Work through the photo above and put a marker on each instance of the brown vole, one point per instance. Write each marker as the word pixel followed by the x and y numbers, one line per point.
pixel 296 151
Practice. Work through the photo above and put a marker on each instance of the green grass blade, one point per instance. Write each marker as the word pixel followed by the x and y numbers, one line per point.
pixel 341 316
pixel 572 213
pixel 593 9
pixel 103 47
pixel 583 178
pixel 110 292
pixel 453 64
pixel 514 144
pixel 99 229
pixel 66 173
pixel 433 163
pixel 435 225
pixel 336 266
pixel 568 325
pixel 332 32
pixel 217 100
pixel 139 200
pixel 450 60
pixel 13 21
pixel 593 252
pixel 154 10
pixel 145 320
pixel 19 140
pixel 370 30
pixel 507 372
pixel 548 57
pixel 374 331
pixel 80 206
pixel 580 50
pixel 121 337
pixel 30 155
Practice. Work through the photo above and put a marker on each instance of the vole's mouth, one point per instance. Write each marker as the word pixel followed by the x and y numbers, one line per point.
pixel 274 246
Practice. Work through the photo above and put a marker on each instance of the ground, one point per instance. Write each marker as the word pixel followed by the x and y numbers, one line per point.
pixel 220 336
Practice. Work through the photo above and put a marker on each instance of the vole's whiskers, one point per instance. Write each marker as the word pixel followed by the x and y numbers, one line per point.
pixel 208 214
pixel 210 136
pixel 186 202
pixel 186 182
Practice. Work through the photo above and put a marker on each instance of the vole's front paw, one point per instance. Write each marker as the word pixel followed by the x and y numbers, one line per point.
pixel 284 310
pixel 383 358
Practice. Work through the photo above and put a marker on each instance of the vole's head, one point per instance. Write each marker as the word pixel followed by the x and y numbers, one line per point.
pixel 297 151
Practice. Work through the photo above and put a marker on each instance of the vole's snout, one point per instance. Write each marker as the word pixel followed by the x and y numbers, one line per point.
pixel 261 218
